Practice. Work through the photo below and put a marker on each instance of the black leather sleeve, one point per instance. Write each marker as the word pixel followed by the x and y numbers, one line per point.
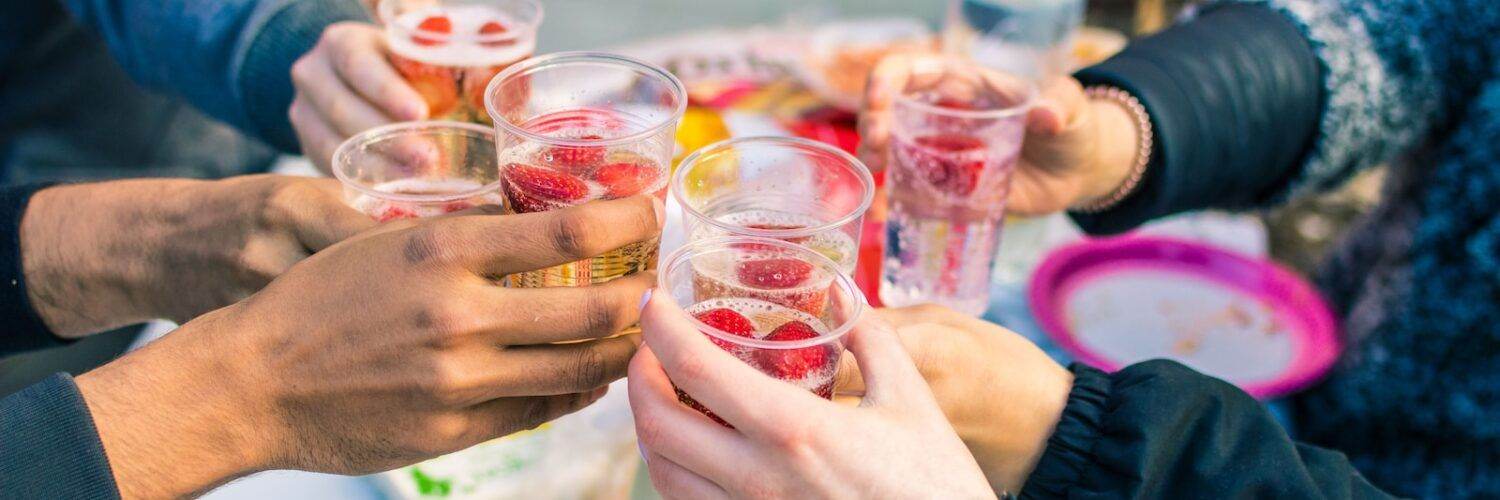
pixel 1234 97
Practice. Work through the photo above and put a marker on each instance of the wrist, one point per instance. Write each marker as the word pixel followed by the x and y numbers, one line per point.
pixel 179 401
pixel 1123 152
pixel 1009 443
pixel 88 253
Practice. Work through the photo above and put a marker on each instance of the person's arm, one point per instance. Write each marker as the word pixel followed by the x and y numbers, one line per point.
pixel 230 58
pixel 1161 430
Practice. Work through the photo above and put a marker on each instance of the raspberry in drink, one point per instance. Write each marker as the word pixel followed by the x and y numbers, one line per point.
pixel 418 198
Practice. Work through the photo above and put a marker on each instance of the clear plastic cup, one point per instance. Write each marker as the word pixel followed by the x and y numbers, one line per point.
pixel 954 145
pixel 418 169
pixel 778 306
pixel 574 127
pixel 784 188
pixel 448 50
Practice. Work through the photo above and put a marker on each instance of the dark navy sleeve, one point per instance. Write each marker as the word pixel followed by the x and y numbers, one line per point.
pixel 1234 99
pixel 49 447
pixel 1161 430
pixel 20 327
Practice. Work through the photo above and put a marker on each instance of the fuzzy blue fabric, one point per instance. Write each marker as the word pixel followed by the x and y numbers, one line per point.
pixel 1415 402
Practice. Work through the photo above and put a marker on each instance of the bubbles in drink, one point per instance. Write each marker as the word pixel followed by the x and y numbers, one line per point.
pixel 767 274
pixel 437 193
pixel 834 244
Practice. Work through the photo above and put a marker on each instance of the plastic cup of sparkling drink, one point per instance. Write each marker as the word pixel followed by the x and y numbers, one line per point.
pixel 954 145
pixel 448 50
pixel 418 169
pixel 783 188
pixel 575 127
pixel 781 307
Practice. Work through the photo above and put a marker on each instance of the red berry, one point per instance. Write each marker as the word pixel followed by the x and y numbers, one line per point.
pixel 436 25
pixel 728 321
pixel 792 364
pixel 535 189
pixel 575 159
pixel 494 29
pixel 395 212
pixel 773 273
pixel 951 163
pixel 626 178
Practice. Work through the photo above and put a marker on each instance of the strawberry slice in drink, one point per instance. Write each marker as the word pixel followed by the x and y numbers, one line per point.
pixel 793 364
pixel 576 160
pixel 728 321
pixel 773 273
pixel 432 31
pixel 952 163
pixel 622 179
pixel 535 189
pixel 394 212
pixel 492 35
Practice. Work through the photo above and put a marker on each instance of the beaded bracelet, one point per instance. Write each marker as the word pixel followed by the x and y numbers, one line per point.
pixel 1142 153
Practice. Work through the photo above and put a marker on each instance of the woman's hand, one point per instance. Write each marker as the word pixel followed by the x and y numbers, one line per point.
pixel 389 348
pixel 1075 150
pixel 108 254
pixel 346 85
pixel 1001 393
pixel 787 442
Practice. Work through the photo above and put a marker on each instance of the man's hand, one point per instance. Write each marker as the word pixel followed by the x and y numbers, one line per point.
pixel 1075 150
pixel 787 442
pixel 383 350
pixel 1001 393
pixel 345 85
pixel 107 254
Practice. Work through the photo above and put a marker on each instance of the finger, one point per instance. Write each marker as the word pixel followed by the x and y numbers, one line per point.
pixel 527 242
pixel 887 370
pixel 503 417
pixel 1060 105
pixel 561 314
pixel 322 219
pixel 749 400
pixel 672 481
pixel 331 98
pixel 317 137
pixel 874 138
pixel 360 58
pixel 677 432
pixel 548 370
pixel 887 80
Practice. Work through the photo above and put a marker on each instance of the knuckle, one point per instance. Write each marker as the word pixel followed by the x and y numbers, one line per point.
pixel 691 368
pixel 446 431
pixel 589 368
pixel 302 71
pixel 426 245
pixel 572 236
pixel 599 317
pixel 449 322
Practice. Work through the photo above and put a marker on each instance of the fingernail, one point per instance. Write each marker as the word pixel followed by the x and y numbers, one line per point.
pixel 645 297
pixel 661 212
pixel 642 449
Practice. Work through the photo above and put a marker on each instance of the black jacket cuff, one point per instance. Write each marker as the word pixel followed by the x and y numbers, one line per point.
pixel 23 330
pixel 1070 449
pixel 49 447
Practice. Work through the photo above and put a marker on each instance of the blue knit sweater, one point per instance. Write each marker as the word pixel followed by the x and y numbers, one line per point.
pixel 1415 401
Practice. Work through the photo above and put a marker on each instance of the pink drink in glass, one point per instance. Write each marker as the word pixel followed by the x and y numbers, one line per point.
pixel 575 127
pixel 786 320
pixel 418 169
pixel 954 146
pixel 448 50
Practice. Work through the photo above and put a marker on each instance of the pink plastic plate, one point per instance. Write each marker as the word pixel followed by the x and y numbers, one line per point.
pixel 1113 302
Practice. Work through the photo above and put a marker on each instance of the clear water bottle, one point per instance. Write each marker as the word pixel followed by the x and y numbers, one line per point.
pixel 1031 38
